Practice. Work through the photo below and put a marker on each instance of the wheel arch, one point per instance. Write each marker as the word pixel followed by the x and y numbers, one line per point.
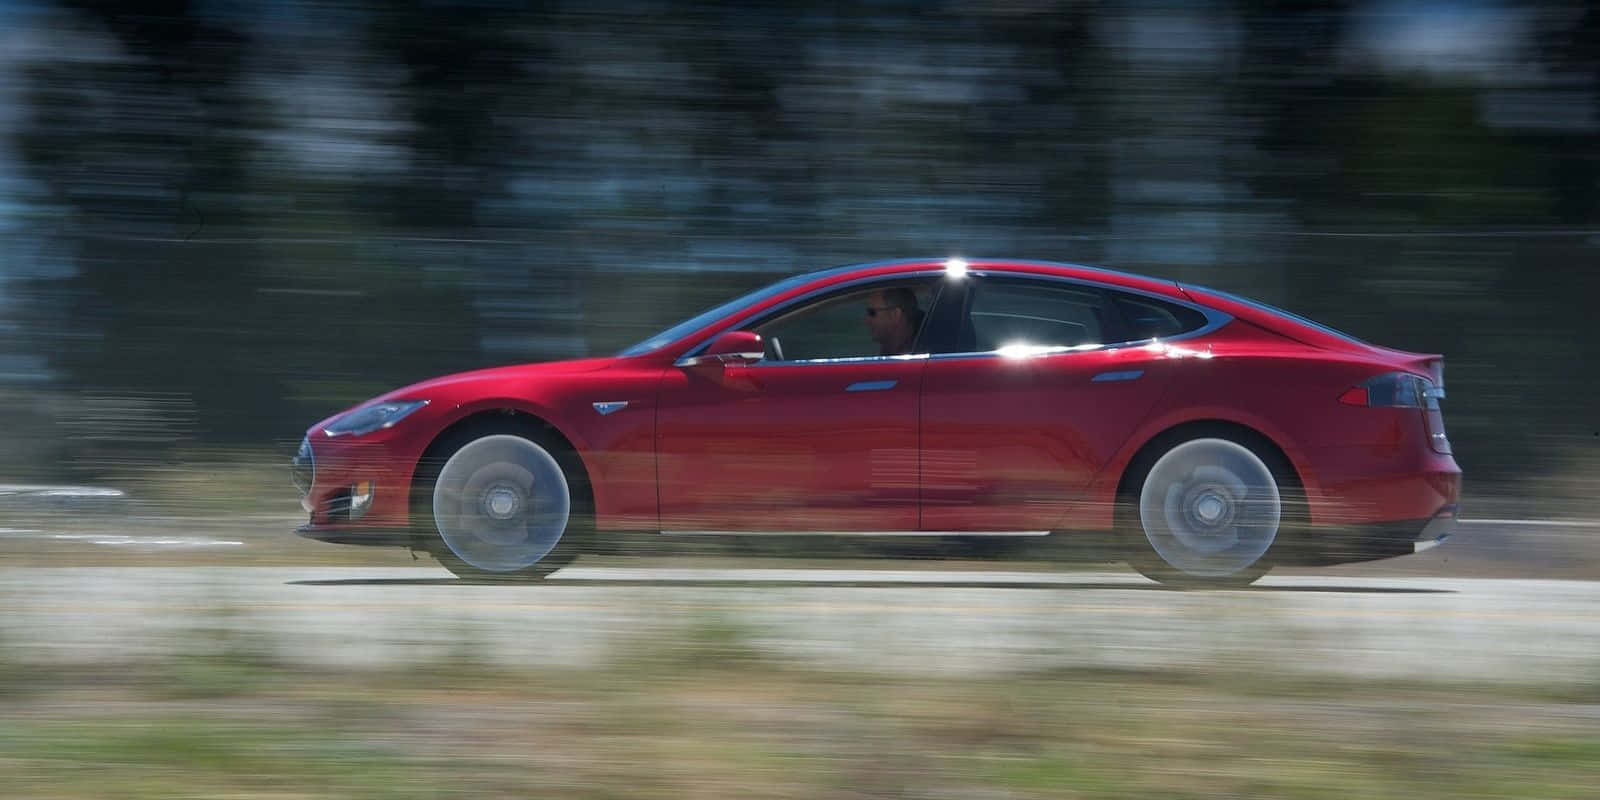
pixel 425 537
pixel 501 417
pixel 1145 455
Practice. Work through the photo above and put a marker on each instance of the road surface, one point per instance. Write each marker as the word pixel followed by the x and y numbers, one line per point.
pixel 899 621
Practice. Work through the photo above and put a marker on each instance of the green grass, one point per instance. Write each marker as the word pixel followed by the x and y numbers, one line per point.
pixel 749 733
pixel 158 756
pixel 704 712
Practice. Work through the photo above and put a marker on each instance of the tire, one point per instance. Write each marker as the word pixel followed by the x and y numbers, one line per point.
pixel 1209 512
pixel 502 503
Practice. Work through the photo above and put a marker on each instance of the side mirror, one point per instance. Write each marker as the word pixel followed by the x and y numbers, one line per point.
pixel 730 347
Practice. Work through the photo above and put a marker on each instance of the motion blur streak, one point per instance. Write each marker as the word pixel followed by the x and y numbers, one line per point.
pixel 219 220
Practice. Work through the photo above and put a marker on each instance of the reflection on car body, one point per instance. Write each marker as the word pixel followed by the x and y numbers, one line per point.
pixel 1215 436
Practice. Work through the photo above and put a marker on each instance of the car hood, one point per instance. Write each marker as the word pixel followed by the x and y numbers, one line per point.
pixel 512 375
pixel 448 390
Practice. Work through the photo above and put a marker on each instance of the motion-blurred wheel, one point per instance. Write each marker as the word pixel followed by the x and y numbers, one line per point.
pixel 1210 511
pixel 504 507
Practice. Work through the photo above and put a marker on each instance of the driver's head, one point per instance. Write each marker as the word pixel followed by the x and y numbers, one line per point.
pixel 892 318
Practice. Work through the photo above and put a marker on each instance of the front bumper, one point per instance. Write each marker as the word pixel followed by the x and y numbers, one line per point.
pixel 355 484
pixel 367 535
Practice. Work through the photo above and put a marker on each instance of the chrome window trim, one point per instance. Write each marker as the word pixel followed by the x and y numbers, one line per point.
pixel 809 362
pixel 1214 319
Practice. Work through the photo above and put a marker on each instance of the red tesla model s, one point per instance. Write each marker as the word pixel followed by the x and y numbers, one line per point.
pixel 1215 436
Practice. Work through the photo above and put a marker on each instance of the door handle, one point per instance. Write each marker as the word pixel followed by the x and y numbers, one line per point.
pixel 1126 375
pixel 870 386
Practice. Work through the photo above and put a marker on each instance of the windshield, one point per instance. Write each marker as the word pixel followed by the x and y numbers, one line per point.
pixel 705 318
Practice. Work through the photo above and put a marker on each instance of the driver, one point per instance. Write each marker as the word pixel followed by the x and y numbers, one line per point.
pixel 893 319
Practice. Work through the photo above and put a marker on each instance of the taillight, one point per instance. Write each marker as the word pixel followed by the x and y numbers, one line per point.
pixel 1394 390
pixel 1432 416
pixel 1404 390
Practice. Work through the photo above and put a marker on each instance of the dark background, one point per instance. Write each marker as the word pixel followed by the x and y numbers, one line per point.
pixel 222 221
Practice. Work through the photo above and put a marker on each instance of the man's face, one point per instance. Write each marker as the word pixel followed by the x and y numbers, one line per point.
pixel 883 322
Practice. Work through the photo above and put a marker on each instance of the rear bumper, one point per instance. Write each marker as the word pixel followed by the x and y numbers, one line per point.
pixel 1350 491
pixel 1437 529
pixel 1371 541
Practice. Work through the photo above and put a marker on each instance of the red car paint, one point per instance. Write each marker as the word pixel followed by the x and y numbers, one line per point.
pixel 959 443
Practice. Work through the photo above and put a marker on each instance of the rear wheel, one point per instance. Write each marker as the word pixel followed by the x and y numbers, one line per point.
pixel 503 505
pixel 1210 511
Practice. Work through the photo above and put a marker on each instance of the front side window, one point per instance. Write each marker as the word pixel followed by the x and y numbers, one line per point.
pixel 1004 314
pixel 884 319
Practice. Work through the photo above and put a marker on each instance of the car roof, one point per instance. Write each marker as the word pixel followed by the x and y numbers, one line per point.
pixel 992 265
pixel 797 285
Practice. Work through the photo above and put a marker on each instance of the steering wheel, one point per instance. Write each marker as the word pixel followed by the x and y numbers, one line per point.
pixel 774 348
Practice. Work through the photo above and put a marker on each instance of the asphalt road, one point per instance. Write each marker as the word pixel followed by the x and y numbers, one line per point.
pixel 900 621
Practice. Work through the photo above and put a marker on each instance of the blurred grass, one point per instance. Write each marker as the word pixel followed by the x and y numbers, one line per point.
pixel 701 711
pixel 158 757
pixel 214 481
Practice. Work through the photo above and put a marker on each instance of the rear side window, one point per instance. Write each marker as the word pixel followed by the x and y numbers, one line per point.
pixel 1148 318
pixel 1032 313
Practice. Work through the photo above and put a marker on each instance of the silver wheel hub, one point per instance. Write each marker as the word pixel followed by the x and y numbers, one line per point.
pixel 502 502
pixel 1210 508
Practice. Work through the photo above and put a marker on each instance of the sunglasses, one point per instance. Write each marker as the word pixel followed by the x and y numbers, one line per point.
pixel 872 311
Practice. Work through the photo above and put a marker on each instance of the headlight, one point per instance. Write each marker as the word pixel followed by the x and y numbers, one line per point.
pixel 370 418
pixel 303 469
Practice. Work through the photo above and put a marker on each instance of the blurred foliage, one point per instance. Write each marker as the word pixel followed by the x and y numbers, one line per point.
pixel 224 221
pixel 673 717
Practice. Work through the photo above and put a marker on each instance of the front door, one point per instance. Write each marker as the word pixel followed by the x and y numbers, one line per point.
pixel 819 436
pixel 830 447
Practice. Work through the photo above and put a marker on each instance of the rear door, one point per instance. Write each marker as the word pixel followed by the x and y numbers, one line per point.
pixel 1029 402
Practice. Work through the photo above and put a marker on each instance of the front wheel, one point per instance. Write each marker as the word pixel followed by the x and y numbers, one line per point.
pixel 504 507
pixel 1210 511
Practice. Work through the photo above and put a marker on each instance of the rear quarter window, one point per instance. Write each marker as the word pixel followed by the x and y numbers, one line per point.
pixel 1148 318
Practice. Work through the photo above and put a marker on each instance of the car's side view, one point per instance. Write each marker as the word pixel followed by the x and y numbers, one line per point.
pixel 1216 436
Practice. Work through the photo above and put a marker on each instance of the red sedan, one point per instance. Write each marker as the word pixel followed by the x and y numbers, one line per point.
pixel 1215 436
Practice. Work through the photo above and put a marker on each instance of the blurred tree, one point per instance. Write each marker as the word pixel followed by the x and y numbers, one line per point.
pixel 184 292
pixel 274 210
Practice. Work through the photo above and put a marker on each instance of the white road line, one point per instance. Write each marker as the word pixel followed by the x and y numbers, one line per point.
pixel 120 539
pixel 34 490
pixel 1547 523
